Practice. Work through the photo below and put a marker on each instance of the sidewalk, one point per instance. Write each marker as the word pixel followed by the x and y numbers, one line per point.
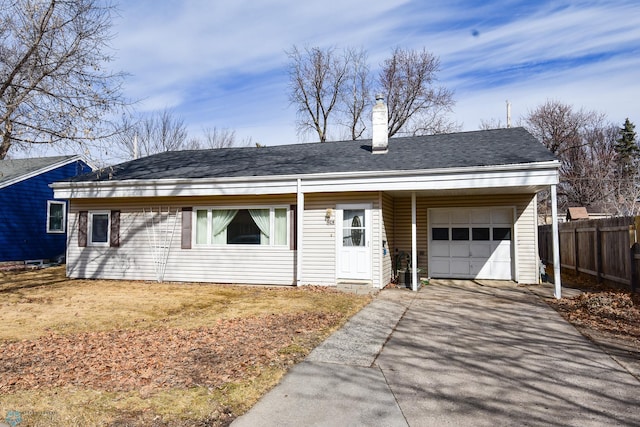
pixel 337 384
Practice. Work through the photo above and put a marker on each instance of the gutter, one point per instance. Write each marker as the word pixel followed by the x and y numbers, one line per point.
pixel 293 179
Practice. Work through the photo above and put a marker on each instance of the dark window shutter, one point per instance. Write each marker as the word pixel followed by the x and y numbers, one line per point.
pixel 82 228
pixel 115 229
pixel 186 228
pixel 293 232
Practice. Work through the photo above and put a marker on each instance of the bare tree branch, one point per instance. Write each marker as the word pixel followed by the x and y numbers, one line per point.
pixel 558 126
pixel 330 89
pixel 591 173
pixel 488 124
pixel 224 138
pixel 355 96
pixel 416 105
pixel 317 79
pixel 150 134
pixel 53 85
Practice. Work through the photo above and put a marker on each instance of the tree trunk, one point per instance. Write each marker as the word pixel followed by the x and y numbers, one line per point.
pixel 6 141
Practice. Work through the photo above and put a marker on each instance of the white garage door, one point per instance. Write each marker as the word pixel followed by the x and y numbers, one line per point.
pixel 471 243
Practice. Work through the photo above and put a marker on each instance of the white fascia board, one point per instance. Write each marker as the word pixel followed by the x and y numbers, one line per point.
pixel 534 174
pixel 171 188
pixel 446 181
pixel 40 171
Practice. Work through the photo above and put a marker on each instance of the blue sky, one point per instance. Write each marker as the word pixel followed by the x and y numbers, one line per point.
pixel 223 63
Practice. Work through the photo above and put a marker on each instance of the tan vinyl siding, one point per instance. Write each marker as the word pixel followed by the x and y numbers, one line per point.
pixel 319 241
pixel 390 221
pixel 388 236
pixel 402 228
pixel 134 259
pixel 525 223
pixel 376 240
pixel 527 242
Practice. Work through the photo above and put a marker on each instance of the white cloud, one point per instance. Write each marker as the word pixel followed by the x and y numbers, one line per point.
pixel 223 63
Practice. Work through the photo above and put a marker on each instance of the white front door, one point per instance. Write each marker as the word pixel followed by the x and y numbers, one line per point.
pixel 353 242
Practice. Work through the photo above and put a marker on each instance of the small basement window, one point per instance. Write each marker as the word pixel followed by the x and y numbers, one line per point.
pixel 56 216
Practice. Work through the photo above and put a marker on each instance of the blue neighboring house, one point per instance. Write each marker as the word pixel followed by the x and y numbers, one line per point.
pixel 33 224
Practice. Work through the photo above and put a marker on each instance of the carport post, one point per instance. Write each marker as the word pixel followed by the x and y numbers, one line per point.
pixel 414 244
pixel 299 231
pixel 556 242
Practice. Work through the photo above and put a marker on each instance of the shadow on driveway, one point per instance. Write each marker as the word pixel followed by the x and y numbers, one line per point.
pixel 456 353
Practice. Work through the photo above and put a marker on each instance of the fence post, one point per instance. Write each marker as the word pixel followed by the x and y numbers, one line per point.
pixel 635 248
pixel 598 243
pixel 576 252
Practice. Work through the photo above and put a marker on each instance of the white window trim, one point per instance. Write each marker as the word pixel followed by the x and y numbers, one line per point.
pixel 272 219
pixel 90 242
pixel 64 216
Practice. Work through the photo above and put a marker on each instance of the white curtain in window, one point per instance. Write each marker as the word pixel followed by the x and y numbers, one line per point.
pixel 261 218
pixel 221 218
pixel 201 227
pixel 280 227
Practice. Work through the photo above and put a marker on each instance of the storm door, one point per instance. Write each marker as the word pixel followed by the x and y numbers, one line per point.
pixel 353 232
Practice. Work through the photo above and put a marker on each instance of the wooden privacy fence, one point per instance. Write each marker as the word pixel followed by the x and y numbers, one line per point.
pixel 607 249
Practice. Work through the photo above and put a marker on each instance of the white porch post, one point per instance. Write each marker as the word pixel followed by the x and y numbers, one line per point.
pixel 414 244
pixel 299 228
pixel 556 242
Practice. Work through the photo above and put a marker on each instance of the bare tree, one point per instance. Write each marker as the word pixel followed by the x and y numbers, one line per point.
pixel 317 80
pixel 624 199
pixel 355 96
pixel 53 84
pixel 585 144
pixel 332 89
pixel 491 124
pixel 151 134
pixel 224 138
pixel 587 172
pixel 626 192
pixel 416 105
pixel 558 126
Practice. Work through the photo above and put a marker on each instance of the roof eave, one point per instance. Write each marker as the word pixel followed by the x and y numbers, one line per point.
pixel 42 170
pixel 282 184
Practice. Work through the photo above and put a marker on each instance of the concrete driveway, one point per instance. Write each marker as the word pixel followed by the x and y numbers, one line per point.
pixel 457 353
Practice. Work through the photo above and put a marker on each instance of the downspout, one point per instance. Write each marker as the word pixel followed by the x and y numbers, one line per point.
pixel 414 244
pixel 299 228
pixel 556 243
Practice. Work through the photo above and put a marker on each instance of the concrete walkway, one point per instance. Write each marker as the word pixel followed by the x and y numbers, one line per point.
pixel 456 353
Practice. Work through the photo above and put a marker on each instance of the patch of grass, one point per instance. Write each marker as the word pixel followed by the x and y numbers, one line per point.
pixel 30 308
pixel 36 304
pixel 82 407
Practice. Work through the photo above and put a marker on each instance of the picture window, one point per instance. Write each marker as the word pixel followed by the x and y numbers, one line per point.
pixel 267 226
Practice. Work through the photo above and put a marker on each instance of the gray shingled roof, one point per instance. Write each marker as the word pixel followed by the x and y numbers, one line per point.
pixel 11 169
pixel 465 149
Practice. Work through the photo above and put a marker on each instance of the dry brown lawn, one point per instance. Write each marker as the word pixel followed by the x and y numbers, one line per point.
pixel 602 309
pixel 116 353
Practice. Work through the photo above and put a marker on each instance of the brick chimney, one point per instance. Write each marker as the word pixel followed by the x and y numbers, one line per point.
pixel 380 140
